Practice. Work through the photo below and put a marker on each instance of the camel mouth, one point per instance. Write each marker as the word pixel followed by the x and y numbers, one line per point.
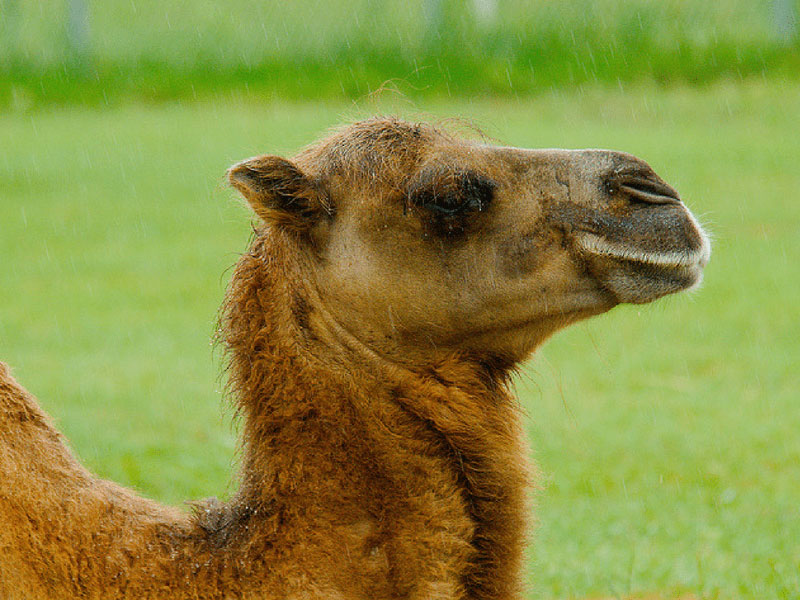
pixel 675 259
pixel 639 266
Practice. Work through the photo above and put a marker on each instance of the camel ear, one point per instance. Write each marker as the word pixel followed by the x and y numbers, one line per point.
pixel 279 192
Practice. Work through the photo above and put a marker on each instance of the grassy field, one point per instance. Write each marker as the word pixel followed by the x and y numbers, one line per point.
pixel 667 434
pixel 156 49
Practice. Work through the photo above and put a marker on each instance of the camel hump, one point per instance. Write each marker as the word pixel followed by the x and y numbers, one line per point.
pixel 17 405
pixel 10 390
pixel 7 381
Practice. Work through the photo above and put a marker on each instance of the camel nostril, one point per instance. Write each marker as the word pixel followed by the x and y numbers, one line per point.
pixel 642 189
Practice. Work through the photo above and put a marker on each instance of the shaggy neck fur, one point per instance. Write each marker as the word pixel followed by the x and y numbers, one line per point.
pixel 423 470
pixel 360 478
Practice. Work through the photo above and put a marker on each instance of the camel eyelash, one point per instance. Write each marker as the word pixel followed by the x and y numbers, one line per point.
pixel 449 194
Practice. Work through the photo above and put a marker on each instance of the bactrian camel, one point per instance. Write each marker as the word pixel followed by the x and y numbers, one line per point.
pixel 397 276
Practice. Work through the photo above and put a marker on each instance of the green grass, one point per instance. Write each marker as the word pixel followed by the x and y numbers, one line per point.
pixel 667 434
pixel 156 49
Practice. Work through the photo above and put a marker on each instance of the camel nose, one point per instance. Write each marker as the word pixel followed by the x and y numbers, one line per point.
pixel 617 176
pixel 641 186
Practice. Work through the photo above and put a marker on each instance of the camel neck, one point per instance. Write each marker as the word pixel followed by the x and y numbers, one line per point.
pixel 336 435
pixel 356 446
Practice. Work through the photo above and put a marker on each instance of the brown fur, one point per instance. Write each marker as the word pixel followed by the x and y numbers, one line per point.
pixel 399 275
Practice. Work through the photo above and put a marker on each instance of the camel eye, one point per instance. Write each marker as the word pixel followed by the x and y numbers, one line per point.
pixel 450 197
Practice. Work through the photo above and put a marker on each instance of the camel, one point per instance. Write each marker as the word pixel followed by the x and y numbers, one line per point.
pixel 397 276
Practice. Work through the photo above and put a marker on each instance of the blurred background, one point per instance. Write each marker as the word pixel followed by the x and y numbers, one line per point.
pixel 668 435
pixel 104 52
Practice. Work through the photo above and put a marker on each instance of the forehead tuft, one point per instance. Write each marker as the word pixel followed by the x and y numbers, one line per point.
pixel 381 148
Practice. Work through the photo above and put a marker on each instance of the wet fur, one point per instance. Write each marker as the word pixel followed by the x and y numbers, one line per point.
pixel 382 453
pixel 358 479
pixel 354 482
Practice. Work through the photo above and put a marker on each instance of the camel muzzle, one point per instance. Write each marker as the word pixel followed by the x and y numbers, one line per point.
pixel 632 229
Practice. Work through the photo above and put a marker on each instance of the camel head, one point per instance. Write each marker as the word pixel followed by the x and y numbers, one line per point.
pixel 416 242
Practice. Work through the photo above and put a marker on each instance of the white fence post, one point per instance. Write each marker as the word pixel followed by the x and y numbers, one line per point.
pixel 784 20
pixel 78 31
pixel 9 29
pixel 485 11
pixel 433 12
